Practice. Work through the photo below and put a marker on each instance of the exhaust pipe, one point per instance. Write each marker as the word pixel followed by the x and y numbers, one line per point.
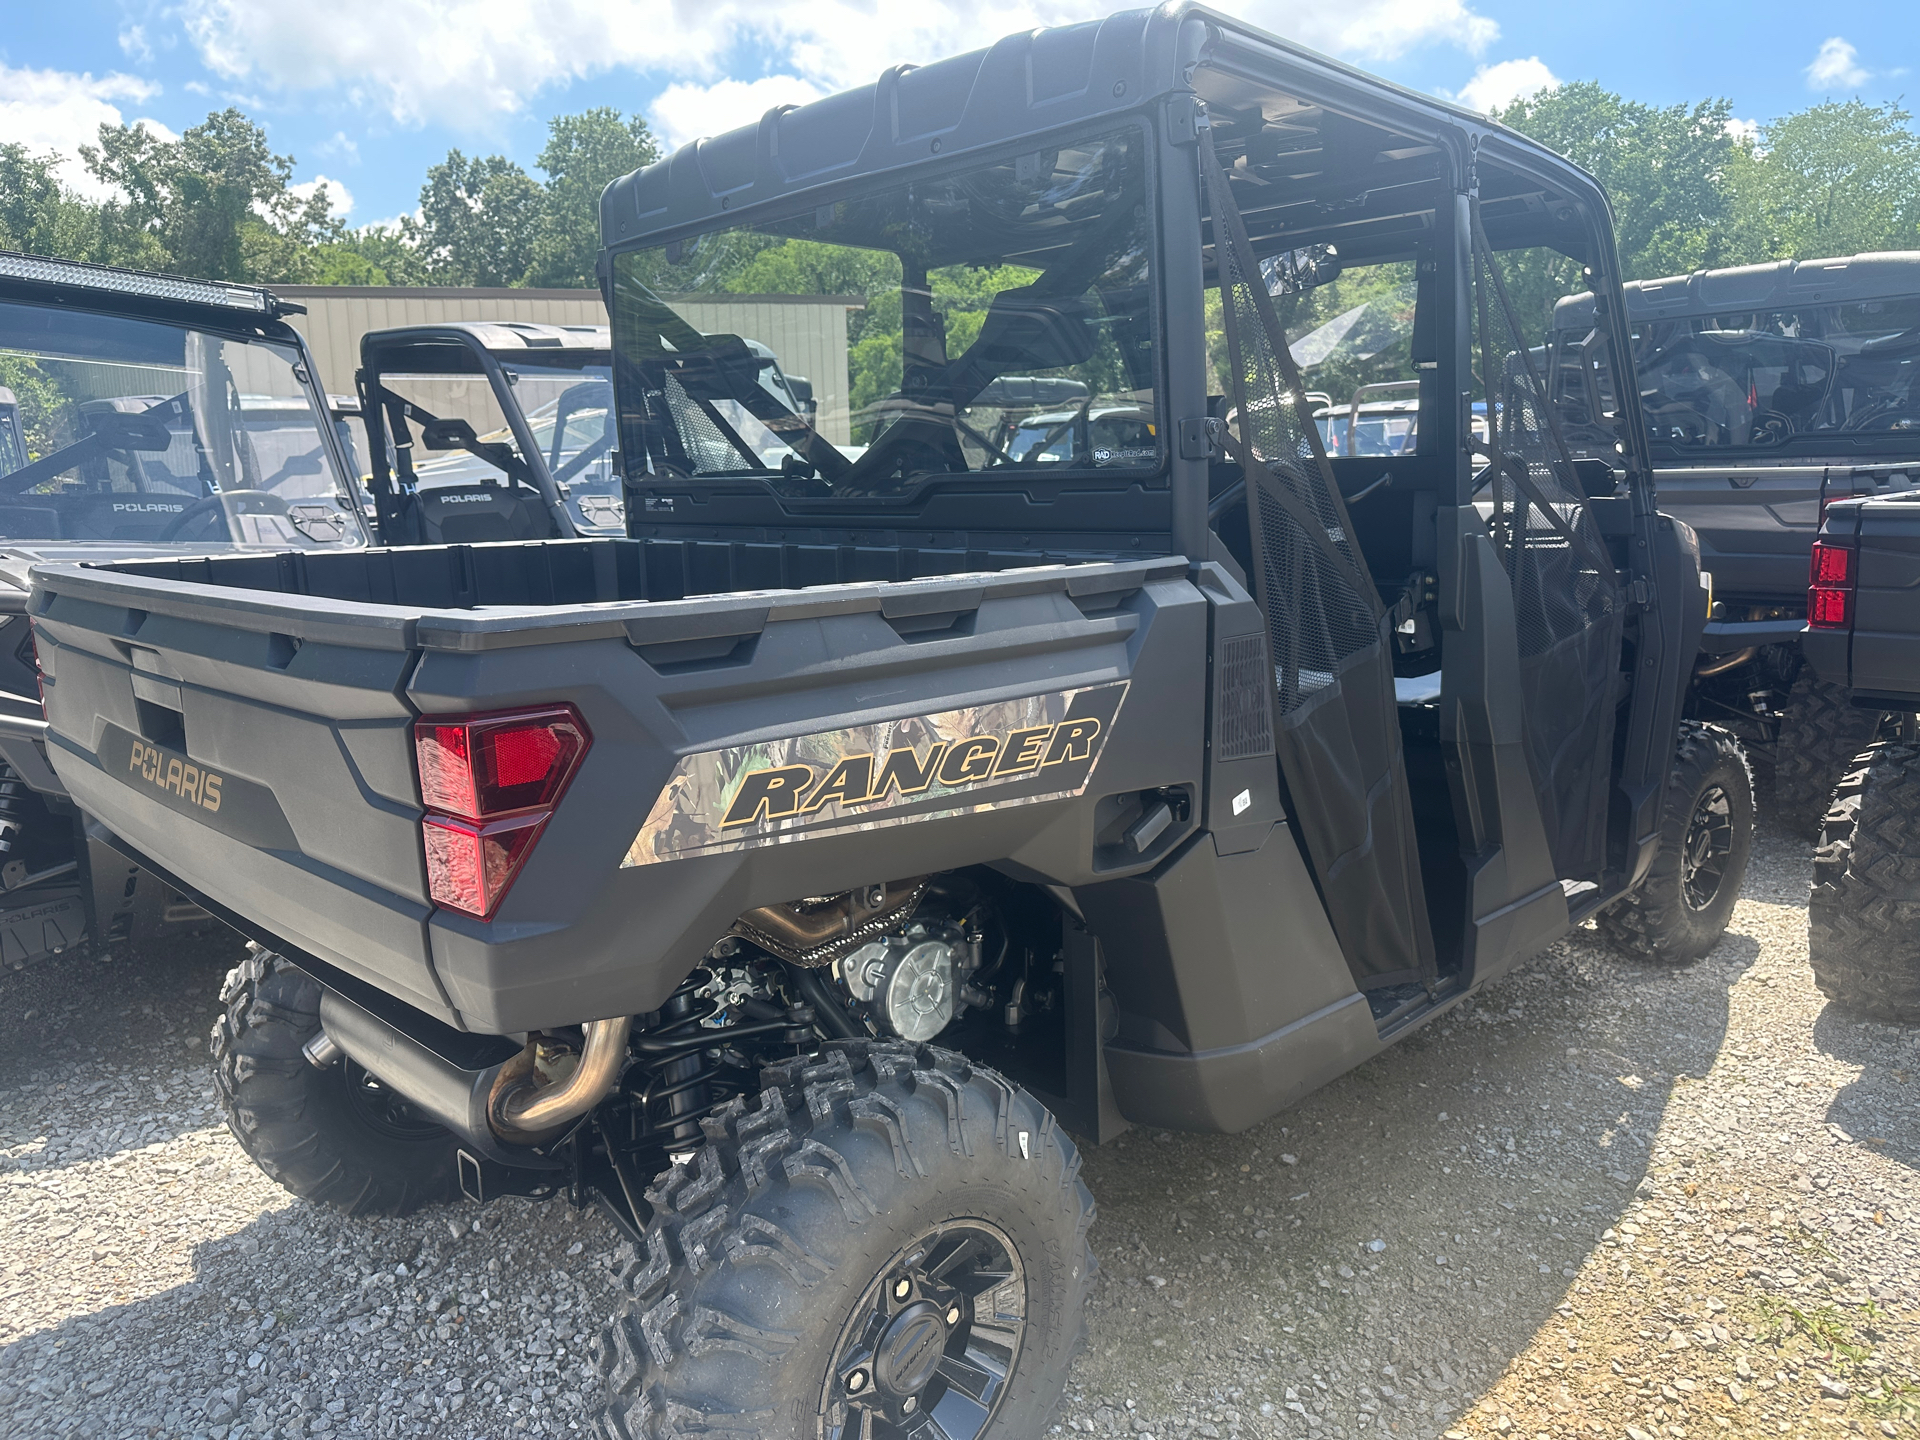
pixel 524 1112
pixel 496 1109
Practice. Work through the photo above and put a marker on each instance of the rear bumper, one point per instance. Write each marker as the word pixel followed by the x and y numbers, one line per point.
pixel 1723 637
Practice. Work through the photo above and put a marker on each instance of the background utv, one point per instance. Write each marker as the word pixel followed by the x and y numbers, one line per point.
pixel 775 875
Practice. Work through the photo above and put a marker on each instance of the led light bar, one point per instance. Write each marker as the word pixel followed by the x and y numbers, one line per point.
pixel 110 279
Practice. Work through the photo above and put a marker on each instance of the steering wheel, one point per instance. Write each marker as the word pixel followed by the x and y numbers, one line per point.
pixel 1771 427
pixel 228 504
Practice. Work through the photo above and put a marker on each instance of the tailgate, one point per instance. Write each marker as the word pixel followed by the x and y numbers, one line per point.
pixel 1886 627
pixel 257 746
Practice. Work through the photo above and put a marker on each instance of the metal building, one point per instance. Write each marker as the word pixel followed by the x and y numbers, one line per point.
pixel 807 332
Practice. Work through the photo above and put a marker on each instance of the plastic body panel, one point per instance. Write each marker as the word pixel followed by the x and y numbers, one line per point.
pixel 1755 525
pixel 1880 656
pixel 322 729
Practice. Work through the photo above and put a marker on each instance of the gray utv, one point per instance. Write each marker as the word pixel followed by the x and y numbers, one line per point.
pixel 1769 392
pixel 142 415
pixel 1034 735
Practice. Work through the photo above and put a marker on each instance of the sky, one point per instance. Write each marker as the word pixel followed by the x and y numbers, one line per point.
pixel 366 94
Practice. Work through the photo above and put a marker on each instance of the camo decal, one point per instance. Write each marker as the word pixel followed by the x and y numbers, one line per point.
pixel 868 777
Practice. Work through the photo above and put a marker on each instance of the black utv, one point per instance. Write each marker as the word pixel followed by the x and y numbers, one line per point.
pixel 1863 638
pixel 906 791
pixel 1769 392
pixel 142 415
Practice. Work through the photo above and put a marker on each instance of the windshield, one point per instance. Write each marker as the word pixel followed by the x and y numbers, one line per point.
pixel 1788 380
pixel 138 431
pixel 568 412
pixel 988 321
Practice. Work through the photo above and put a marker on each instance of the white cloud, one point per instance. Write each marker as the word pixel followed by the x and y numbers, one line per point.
pixel 60 111
pixel 1494 87
pixel 1836 66
pixel 1744 129
pixel 133 43
pixel 471 63
pixel 341 144
pixel 339 198
pixel 686 111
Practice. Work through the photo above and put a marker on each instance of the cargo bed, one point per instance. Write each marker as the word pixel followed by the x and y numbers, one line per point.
pixel 245 721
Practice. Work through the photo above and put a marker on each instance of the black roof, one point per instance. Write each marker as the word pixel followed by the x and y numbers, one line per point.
pixel 448 347
pixel 1024 84
pixel 1781 285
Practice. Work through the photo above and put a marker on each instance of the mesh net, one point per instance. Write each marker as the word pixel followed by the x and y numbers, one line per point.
pixel 707 446
pixel 1566 597
pixel 1550 545
pixel 1337 737
pixel 1305 548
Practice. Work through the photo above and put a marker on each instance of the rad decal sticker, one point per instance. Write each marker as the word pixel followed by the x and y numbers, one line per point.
pixel 868 777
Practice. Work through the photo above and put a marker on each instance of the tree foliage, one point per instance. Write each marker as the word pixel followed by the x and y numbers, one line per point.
pixel 1690 189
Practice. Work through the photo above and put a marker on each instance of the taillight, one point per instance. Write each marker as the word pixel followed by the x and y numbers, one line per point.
pixel 490 784
pixel 1830 585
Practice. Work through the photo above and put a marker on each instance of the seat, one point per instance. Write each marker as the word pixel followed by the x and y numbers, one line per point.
pixel 475 514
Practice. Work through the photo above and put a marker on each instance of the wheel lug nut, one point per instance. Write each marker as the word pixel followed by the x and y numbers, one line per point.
pixel 953 1315
pixel 902 1289
pixel 856 1382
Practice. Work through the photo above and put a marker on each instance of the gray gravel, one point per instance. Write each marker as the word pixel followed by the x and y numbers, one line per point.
pixel 1602 1198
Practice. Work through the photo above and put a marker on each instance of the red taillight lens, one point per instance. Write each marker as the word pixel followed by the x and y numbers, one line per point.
pixel 1830 587
pixel 469 867
pixel 1829 609
pixel 481 766
pixel 1832 564
pixel 490 783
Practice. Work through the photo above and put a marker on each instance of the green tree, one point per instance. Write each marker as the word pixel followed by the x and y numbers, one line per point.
pixel 584 153
pixel 371 255
pixel 37 213
pixel 1836 179
pixel 478 221
pixel 1664 168
pixel 216 203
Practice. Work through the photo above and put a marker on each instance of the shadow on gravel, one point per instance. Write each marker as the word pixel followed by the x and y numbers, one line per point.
pixel 305 1322
pixel 1483 1156
pixel 1881 1109
pixel 83 1046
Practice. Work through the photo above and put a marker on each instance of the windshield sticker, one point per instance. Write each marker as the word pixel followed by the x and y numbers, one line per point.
pixel 868 777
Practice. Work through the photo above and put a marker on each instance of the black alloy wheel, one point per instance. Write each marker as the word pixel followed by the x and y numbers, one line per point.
pixel 384 1111
pixel 1682 907
pixel 1707 851
pixel 928 1349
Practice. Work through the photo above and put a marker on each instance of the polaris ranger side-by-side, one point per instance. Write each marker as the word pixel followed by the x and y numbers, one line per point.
pixel 904 792
pixel 1767 391
pixel 1863 637
pixel 143 415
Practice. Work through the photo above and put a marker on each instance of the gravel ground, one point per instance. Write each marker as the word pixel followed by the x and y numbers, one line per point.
pixel 1601 1198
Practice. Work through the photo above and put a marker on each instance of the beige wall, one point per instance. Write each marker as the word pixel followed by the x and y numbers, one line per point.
pixel 337 316
pixel 807 332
